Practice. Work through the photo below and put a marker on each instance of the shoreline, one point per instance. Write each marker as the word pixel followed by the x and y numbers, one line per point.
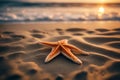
pixel 52 22
pixel 99 23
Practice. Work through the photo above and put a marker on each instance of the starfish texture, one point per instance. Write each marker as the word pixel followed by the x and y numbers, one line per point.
pixel 63 47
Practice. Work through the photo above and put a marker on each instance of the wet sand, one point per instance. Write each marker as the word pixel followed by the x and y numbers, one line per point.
pixel 22 56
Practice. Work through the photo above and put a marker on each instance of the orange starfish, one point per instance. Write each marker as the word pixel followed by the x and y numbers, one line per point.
pixel 63 47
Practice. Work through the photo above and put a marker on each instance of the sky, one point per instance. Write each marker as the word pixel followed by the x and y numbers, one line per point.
pixel 83 1
pixel 80 1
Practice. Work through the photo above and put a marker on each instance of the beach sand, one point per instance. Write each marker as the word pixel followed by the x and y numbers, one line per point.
pixel 22 56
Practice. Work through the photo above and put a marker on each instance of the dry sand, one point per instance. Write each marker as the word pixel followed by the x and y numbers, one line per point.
pixel 22 56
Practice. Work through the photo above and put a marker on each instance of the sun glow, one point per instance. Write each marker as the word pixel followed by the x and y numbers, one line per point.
pixel 101 11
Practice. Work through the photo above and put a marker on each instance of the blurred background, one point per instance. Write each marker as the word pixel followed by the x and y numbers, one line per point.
pixel 12 11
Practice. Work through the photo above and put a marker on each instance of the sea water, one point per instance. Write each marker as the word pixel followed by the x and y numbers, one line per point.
pixel 11 12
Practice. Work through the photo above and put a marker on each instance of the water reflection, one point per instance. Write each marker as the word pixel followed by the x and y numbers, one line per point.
pixel 101 11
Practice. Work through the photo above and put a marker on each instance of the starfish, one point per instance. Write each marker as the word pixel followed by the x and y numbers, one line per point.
pixel 63 47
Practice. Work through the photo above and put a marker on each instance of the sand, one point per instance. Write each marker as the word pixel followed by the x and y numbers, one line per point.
pixel 22 56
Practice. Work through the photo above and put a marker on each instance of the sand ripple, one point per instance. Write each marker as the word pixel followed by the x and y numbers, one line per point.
pixel 22 56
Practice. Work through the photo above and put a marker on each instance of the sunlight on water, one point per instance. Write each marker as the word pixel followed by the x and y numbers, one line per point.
pixel 101 11
pixel 68 12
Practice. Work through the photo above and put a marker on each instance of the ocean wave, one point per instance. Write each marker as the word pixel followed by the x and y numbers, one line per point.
pixel 17 17
pixel 36 14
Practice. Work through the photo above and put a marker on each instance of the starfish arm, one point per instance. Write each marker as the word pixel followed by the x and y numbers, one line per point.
pixel 55 51
pixel 74 48
pixel 49 43
pixel 66 52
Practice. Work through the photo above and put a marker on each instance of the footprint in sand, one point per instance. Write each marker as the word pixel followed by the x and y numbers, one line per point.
pixel 79 31
pixel 110 33
pixel 77 34
pixel 75 29
pixel 35 31
pixel 18 37
pixel 60 31
pixel 100 40
pixel 116 29
pixel 8 33
pixel 16 76
pixel 80 76
pixel 102 30
pixel 38 31
pixel 90 32
pixel 37 35
pixel 60 77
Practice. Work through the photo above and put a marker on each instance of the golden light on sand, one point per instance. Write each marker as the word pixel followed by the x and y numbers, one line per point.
pixel 101 11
